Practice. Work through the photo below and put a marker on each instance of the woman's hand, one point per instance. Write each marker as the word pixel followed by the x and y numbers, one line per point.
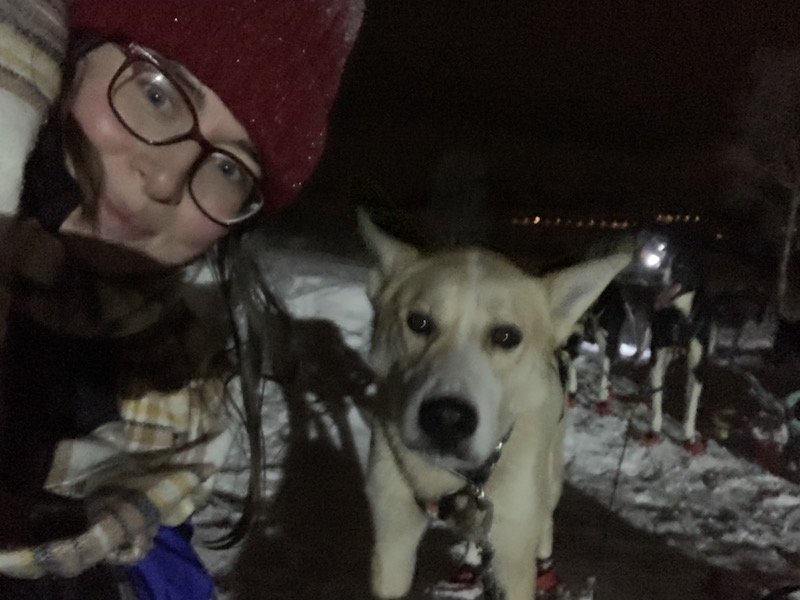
pixel 120 529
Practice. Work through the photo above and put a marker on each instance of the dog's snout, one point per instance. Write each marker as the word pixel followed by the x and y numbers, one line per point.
pixel 447 421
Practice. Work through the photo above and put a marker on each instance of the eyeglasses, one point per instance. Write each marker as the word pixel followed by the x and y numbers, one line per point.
pixel 155 108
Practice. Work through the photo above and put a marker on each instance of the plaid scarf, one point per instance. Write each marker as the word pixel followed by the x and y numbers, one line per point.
pixel 153 466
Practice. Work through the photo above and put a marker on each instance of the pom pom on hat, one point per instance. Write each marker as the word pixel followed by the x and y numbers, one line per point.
pixel 275 63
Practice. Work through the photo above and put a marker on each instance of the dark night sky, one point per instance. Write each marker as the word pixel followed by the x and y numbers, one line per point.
pixel 584 104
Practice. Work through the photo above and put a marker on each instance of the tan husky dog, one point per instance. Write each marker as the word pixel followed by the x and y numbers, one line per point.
pixel 464 348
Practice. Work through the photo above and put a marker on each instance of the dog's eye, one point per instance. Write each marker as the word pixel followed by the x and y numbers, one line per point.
pixel 506 336
pixel 420 323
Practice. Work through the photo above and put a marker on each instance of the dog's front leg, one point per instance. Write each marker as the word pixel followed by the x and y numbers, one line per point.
pixel 398 523
pixel 514 562
pixel 553 483
pixel 519 522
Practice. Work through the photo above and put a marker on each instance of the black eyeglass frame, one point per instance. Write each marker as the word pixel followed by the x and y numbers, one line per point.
pixel 134 52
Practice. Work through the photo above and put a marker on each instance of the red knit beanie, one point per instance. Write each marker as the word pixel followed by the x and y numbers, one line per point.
pixel 275 63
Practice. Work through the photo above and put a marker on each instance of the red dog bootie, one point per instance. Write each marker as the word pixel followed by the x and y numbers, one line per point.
pixel 465 574
pixel 695 445
pixel 465 578
pixel 651 438
pixel 603 408
pixel 547 581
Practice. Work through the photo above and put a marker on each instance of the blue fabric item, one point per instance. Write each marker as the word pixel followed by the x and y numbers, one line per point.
pixel 171 570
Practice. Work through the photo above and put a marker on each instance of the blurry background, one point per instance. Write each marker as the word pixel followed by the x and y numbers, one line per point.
pixel 462 118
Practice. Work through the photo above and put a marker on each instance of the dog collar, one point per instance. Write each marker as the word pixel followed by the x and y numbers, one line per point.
pixel 478 477
pixel 475 481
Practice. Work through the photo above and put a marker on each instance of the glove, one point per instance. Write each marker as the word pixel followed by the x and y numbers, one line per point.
pixel 122 526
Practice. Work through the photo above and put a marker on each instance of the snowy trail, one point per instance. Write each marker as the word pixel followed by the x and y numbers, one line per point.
pixel 716 507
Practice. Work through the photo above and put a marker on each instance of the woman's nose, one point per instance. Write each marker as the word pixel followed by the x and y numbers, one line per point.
pixel 165 170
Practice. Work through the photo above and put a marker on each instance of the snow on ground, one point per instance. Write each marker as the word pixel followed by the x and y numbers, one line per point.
pixel 716 508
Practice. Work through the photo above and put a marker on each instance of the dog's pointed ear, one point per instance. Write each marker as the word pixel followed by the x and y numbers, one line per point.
pixel 392 254
pixel 573 290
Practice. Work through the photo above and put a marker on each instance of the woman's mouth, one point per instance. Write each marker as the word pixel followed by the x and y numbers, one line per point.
pixel 117 223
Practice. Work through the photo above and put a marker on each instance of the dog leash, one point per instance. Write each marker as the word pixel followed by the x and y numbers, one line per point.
pixel 469 512
pixel 618 472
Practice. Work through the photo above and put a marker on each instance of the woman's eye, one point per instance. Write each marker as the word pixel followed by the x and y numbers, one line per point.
pixel 156 96
pixel 157 92
pixel 229 168
pixel 420 323
pixel 506 336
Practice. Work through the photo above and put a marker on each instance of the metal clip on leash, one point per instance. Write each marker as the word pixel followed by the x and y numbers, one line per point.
pixel 468 513
pixel 492 590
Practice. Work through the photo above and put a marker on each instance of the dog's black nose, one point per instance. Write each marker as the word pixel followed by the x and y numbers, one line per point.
pixel 447 421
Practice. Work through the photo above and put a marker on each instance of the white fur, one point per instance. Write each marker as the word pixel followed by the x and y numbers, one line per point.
pixel 468 292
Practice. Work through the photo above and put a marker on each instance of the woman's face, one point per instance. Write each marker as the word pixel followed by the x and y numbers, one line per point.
pixel 143 202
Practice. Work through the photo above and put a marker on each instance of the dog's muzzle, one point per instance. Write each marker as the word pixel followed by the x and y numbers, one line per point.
pixel 448 407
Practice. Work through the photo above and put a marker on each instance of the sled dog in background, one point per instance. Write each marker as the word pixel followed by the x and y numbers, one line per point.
pixel 464 347
pixel 676 326
pixel 600 325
